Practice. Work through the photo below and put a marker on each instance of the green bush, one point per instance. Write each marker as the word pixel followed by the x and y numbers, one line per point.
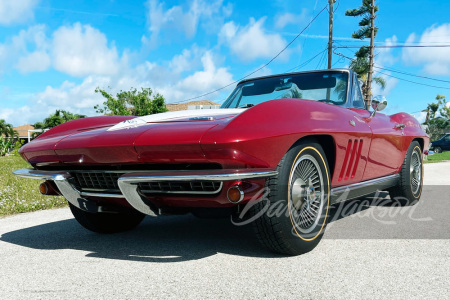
pixel 5 146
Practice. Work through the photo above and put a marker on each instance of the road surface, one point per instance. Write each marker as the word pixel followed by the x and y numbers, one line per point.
pixel 376 251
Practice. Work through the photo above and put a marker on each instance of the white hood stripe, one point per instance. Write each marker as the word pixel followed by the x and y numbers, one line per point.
pixel 175 115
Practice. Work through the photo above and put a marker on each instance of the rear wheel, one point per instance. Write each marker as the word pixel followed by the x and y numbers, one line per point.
pixel 293 217
pixel 409 188
pixel 106 222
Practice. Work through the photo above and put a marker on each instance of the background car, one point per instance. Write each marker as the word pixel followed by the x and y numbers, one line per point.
pixel 442 144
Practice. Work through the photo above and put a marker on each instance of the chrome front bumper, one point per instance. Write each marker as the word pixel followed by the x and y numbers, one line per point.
pixel 128 184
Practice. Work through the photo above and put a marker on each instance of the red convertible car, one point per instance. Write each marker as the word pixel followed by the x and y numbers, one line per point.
pixel 282 148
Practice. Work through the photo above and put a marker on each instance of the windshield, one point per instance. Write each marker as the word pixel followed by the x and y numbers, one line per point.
pixel 328 87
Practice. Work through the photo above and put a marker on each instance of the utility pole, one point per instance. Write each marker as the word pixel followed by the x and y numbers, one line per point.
pixel 330 32
pixel 330 40
pixel 368 91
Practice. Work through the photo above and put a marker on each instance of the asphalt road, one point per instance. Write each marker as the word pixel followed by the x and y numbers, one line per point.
pixel 377 253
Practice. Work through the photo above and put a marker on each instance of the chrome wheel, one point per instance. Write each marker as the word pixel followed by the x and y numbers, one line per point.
pixel 306 193
pixel 415 171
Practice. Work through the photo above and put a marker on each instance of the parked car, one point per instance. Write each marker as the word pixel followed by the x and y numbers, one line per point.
pixel 300 141
pixel 442 144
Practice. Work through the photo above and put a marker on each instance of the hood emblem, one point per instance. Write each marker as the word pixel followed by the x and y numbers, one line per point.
pixel 205 118
pixel 352 123
pixel 128 124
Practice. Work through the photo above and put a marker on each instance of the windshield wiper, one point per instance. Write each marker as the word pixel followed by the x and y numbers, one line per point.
pixel 247 105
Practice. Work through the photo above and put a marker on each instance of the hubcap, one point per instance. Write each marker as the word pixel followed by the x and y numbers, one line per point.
pixel 415 170
pixel 307 193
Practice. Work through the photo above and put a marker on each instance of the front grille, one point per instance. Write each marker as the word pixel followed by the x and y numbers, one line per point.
pixel 193 187
pixel 97 181
pixel 106 182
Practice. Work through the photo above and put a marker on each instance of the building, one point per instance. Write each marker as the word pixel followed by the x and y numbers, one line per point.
pixel 202 104
pixel 23 131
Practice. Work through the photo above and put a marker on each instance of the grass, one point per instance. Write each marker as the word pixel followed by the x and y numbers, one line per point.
pixel 438 157
pixel 19 195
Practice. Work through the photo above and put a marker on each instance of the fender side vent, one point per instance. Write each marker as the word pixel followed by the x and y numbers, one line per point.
pixel 351 159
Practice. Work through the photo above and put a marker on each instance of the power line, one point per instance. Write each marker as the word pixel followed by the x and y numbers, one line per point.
pixel 420 83
pixel 399 78
pixel 321 59
pixel 306 38
pixel 306 62
pixel 400 72
pixel 396 71
pixel 337 6
pixel 260 68
pixel 399 46
pixel 409 74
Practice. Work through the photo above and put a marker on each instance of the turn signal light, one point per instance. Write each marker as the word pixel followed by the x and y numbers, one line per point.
pixel 235 194
pixel 43 188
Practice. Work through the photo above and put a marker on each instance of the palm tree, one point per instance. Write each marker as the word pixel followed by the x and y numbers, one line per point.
pixel 11 133
pixel 3 126
pixel 360 65
pixel 7 129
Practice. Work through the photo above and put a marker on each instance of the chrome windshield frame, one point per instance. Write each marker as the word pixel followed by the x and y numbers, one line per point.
pixel 349 72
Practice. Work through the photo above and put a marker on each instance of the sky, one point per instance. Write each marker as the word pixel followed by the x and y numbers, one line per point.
pixel 54 54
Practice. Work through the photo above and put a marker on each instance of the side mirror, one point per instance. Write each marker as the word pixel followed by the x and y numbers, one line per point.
pixel 378 104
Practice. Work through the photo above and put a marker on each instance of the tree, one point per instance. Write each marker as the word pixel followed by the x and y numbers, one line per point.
pixel 7 130
pixel 133 102
pixel 361 64
pixel 7 134
pixel 3 126
pixel 59 117
pixel 438 117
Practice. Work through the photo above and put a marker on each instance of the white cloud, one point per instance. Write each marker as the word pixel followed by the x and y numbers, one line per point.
pixel 81 50
pixel 435 60
pixel 168 79
pixel 420 116
pixel 391 83
pixel 77 50
pixel 26 51
pixel 384 55
pixel 69 96
pixel 251 41
pixel 187 60
pixel 36 61
pixel 290 18
pixel 206 80
pixel 186 21
pixel 16 11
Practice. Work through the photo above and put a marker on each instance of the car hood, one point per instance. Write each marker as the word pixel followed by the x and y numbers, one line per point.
pixel 152 138
pixel 179 116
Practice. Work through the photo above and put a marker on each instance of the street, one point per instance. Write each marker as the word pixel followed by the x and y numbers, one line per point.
pixel 378 252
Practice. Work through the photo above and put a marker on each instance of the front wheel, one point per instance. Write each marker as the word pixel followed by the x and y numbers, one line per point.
pixel 106 222
pixel 437 149
pixel 292 218
pixel 407 192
